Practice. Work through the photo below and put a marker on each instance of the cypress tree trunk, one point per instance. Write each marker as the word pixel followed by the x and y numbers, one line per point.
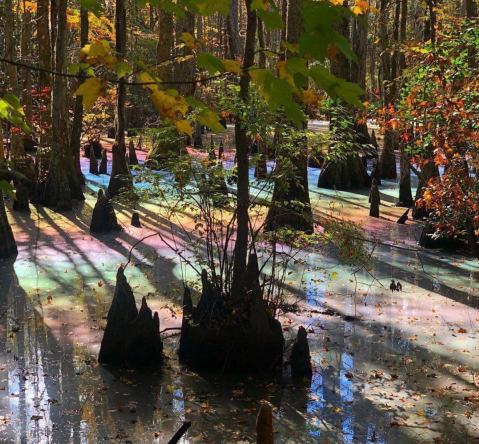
pixel 405 193
pixel 26 50
pixel 350 173
pixel 78 114
pixel 44 61
pixel 233 19
pixel 358 70
pixel 61 184
pixel 119 166
pixel 283 212
pixel 241 244
pixel 165 43
pixel 16 146
pixel 388 159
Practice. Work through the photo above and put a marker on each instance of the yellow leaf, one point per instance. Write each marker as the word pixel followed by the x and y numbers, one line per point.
pixel 183 127
pixel 91 89
pixel 190 41
pixel 232 66
pixel 334 275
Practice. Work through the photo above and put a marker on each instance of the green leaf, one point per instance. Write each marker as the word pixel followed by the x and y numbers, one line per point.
pixel 271 19
pixel 11 111
pixel 94 6
pixel 7 188
pixel 172 8
pixel 210 119
pixel 210 62
pixel 122 69
pixel 73 68
pixel 319 18
pixel 208 7
pixel 278 93
pixel 335 87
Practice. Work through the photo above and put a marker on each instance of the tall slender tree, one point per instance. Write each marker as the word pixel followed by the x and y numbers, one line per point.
pixel 242 234
pixel 120 177
pixel 77 125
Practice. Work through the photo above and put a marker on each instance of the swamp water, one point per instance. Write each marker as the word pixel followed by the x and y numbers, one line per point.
pixel 405 373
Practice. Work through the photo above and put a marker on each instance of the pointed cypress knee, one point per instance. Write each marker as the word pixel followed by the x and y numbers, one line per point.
pixel 133 160
pixel 103 163
pixel 142 346
pixel 264 425
pixel 104 218
pixel 221 150
pixel 122 312
pixel 300 358
pixel 8 246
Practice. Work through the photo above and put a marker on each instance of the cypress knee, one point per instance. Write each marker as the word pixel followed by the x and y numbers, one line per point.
pixel 300 358
pixel 93 164
pixel 133 160
pixel 374 200
pixel 103 163
pixel 264 425
pixel 122 312
pixel 104 218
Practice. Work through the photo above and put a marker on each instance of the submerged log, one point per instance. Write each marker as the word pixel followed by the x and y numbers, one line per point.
pixel 104 163
pixel 8 246
pixel 104 218
pixel 264 425
pixel 122 312
pixel 374 200
pixel 131 338
pixel 300 358
pixel 132 159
